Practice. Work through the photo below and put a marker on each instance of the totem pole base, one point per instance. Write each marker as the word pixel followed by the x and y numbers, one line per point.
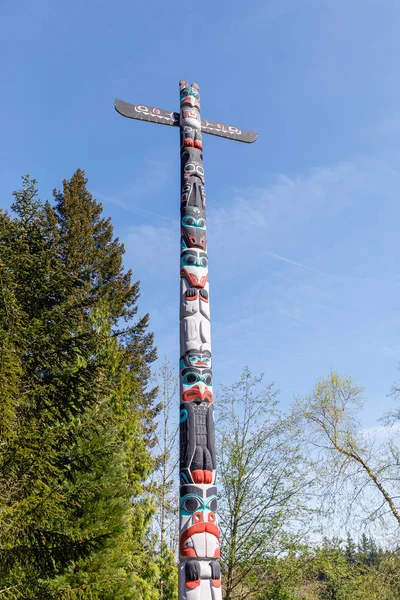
pixel 202 582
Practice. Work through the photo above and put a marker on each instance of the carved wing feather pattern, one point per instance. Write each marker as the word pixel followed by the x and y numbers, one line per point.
pixel 147 113
pixel 230 132
pixel 142 112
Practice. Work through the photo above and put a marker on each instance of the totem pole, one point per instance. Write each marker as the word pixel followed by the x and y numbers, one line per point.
pixel 199 538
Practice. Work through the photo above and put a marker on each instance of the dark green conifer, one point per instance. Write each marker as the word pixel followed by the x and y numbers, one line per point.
pixel 78 416
pixel 350 549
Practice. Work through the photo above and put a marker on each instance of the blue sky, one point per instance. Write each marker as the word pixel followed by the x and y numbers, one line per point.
pixel 302 226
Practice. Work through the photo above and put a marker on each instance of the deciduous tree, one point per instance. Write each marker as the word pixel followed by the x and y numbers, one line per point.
pixel 366 476
pixel 262 483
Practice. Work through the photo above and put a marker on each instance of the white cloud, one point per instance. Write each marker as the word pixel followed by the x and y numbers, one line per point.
pixel 302 266
pixel 246 234
pixel 295 315
pixel 392 350
pixel 264 219
pixel 301 277
pixel 381 430
pixel 129 206
pixel 154 250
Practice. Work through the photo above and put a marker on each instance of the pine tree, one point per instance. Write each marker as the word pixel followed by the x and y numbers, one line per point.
pixel 78 416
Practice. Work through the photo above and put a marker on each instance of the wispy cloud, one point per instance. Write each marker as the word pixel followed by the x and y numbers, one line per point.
pixel 153 179
pixel 155 176
pixel 130 207
pixel 326 299
pixel 307 288
pixel 293 316
pixel 156 251
pixel 301 265
pixel 391 350
pixel 381 430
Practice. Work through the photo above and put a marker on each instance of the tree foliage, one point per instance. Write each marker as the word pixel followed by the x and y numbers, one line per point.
pixel 88 445
pixel 165 474
pixel 355 465
pixel 263 482
pixel 164 480
pixel 325 572
pixel 77 418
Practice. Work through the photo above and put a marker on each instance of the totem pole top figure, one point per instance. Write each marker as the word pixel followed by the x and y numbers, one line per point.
pixel 199 536
pixel 190 106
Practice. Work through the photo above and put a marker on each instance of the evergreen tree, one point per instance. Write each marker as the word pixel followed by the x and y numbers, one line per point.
pixel 350 549
pixel 369 552
pixel 374 552
pixel 363 549
pixel 77 419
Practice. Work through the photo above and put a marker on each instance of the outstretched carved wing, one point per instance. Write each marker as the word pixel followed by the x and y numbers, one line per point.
pixel 146 113
pixel 229 131
pixel 157 115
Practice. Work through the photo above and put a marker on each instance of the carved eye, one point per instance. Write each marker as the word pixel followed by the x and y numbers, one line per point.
pixel 200 170
pixel 189 221
pixel 202 222
pixel 190 378
pixel 208 379
pixel 190 168
pixel 204 262
pixel 191 504
pixel 190 259
pixel 213 505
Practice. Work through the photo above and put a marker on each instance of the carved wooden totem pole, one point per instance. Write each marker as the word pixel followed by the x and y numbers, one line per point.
pixel 199 538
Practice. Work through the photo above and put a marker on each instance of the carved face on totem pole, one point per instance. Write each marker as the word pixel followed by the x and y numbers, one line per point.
pixel 196 381
pixel 190 96
pixel 192 167
pixel 193 200
pixel 196 385
pixel 194 267
pixel 190 106
pixel 199 531
pixel 201 360
pixel 193 228
pixel 193 194
pixel 190 120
